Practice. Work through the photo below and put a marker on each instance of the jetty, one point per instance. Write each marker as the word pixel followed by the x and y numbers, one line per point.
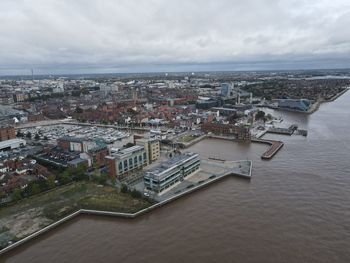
pixel 275 146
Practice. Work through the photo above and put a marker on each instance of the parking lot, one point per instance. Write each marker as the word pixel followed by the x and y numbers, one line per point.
pixel 53 132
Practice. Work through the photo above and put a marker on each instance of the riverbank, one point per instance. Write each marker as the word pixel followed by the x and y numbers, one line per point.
pixel 314 107
pixel 84 209
pixel 37 212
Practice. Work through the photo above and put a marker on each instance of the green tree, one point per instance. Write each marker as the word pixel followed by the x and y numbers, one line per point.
pixel 29 135
pixel 260 115
pixel 51 181
pixel 97 168
pixel 79 172
pixel 136 194
pixel 112 179
pixel 65 177
pixel 95 177
pixel 37 137
pixel 124 188
pixel 103 178
pixel 16 194
pixel 34 188
pixel 2 195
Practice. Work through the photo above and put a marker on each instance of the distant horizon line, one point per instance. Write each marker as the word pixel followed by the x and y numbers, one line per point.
pixel 174 72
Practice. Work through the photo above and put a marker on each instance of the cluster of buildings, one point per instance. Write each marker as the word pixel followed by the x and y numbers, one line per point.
pixel 160 106
pixel 18 173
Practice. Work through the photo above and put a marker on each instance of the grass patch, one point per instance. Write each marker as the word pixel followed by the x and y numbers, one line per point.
pixel 114 202
pixel 51 206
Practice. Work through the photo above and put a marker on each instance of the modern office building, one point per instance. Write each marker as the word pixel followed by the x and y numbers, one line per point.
pixel 125 162
pixel 227 90
pixel 152 148
pixel 171 172
pixel 291 104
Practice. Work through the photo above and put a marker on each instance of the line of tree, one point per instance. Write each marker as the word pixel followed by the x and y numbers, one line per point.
pixel 33 188
pixel 133 192
pixel 60 176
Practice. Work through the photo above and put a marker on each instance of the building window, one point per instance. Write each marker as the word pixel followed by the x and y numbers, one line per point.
pixel 140 158
pixel 125 164
pixel 120 166
pixel 130 162
pixel 144 156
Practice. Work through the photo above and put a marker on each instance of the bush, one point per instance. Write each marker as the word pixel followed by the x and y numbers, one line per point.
pixel 136 194
pixel 124 189
pixel 65 177
pixel 16 194
pixel 100 179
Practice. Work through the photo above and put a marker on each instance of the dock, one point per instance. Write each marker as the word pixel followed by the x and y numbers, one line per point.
pixel 283 131
pixel 275 146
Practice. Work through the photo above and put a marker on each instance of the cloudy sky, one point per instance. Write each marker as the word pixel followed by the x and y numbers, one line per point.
pixel 76 36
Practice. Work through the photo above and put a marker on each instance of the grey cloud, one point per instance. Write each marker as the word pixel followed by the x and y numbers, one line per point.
pixel 134 34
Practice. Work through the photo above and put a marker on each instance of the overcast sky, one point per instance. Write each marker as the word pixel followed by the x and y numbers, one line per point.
pixel 72 36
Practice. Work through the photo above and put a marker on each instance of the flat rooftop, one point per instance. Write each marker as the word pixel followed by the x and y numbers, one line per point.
pixel 125 152
pixel 169 164
pixel 8 143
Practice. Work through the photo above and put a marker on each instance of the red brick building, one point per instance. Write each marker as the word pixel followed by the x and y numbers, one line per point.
pixel 36 117
pixel 7 133
pixel 240 132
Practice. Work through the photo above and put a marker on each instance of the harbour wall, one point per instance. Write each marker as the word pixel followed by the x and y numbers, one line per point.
pixel 123 215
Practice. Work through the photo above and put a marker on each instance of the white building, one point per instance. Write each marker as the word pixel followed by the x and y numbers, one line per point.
pixel 12 144
pixel 171 172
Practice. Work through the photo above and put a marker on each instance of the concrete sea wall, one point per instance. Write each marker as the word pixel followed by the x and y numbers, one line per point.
pixel 123 215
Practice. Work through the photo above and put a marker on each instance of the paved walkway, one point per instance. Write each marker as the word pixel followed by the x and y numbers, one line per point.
pixel 209 171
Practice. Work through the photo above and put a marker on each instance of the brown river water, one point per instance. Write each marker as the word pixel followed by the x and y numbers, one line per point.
pixel 296 208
